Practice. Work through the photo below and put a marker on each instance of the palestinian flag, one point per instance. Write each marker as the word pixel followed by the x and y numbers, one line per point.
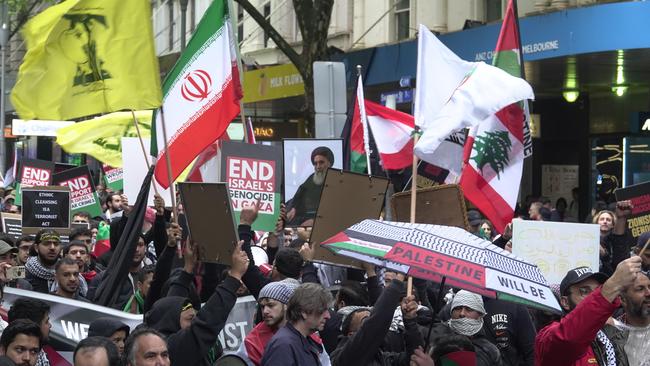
pixel 102 240
pixel 359 139
pixel 495 149
pixel 392 132
pixel 432 252
pixel 201 94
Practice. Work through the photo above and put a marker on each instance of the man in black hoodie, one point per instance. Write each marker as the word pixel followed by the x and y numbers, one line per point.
pixel 365 330
pixel 191 334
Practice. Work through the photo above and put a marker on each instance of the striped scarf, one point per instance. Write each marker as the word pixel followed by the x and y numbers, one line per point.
pixel 610 354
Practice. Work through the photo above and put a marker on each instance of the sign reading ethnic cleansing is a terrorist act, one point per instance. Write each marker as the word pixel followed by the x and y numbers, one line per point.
pixel 639 194
pixel 46 208
pixel 33 173
pixel 253 173
pixel 82 190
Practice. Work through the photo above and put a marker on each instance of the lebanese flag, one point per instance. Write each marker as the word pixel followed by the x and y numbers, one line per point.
pixel 494 151
pixel 201 95
pixel 392 132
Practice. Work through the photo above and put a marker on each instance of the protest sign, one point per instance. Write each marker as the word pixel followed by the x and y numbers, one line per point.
pixel 12 225
pixel 113 178
pixel 82 190
pixel 556 247
pixel 302 184
pixel 71 319
pixel 347 199
pixel 438 205
pixel 210 220
pixel 134 168
pixel 253 172
pixel 33 172
pixel 639 194
pixel 46 208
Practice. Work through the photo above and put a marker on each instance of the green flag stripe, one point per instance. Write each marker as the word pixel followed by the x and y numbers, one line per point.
pixel 358 162
pixel 508 61
pixel 358 248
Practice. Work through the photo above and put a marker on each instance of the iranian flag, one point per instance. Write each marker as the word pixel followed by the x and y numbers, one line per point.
pixel 201 94
pixel 495 149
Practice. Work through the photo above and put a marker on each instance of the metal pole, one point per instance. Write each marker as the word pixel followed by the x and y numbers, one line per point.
pixel 183 22
pixel 4 40
pixel 331 86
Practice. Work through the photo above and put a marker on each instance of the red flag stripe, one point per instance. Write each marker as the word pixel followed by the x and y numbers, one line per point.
pixel 509 35
pixel 374 109
pixel 486 199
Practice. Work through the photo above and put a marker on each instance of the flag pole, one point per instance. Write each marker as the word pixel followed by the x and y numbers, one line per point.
pixel 414 175
pixel 169 179
pixel 144 151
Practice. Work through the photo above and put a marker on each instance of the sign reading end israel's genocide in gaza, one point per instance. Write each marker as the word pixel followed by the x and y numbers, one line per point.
pixel 46 208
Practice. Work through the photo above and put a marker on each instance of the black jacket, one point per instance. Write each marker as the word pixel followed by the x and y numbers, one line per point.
pixel 510 327
pixel 363 348
pixel 126 289
pixel 191 346
pixel 487 354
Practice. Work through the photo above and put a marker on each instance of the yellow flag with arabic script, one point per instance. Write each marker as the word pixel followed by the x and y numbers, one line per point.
pixel 88 57
pixel 101 137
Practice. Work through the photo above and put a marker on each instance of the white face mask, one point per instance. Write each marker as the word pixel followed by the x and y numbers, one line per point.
pixel 466 326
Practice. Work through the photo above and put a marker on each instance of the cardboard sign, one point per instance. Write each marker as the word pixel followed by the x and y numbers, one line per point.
pixel 46 208
pixel 556 247
pixel 82 190
pixel 253 172
pixel 439 205
pixel 210 220
pixel 639 194
pixel 301 192
pixel 31 173
pixel 113 178
pixel 347 198
pixel 12 224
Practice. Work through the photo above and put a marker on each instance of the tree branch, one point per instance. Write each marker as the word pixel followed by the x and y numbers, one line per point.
pixel 22 17
pixel 282 44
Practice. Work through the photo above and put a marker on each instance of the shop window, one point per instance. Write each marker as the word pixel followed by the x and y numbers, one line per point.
pixel 402 19
pixel 493 10
pixel 267 16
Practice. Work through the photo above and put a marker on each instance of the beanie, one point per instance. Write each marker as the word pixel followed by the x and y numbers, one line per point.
pixel 280 291
pixel 468 299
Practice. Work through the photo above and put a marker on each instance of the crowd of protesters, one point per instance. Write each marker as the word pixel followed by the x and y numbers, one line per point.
pixel 315 314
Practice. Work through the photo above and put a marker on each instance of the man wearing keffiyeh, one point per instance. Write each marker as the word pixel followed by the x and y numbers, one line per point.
pixel 40 268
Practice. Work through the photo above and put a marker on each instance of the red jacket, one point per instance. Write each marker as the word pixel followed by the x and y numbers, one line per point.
pixel 568 342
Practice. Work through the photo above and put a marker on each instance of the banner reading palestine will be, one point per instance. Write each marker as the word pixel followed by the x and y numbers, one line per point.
pixel 82 190
pixel 253 172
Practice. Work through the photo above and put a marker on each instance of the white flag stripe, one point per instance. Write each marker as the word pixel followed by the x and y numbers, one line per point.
pixel 390 136
pixel 364 122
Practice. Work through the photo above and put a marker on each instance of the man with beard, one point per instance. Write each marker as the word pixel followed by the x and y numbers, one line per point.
pixel 304 203
pixel 115 204
pixel 39 270
pixel 636 320
pixel 21 342
pixel 273 300
pixel 307 312
pixel 67 279
pixel 38 312
pixel 589 300
pixel 127 288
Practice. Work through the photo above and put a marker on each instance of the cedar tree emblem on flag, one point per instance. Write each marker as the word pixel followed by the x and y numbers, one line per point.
pixel 492 148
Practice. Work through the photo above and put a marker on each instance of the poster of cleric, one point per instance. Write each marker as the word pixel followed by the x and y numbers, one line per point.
pixel 305 165
pixel 253 173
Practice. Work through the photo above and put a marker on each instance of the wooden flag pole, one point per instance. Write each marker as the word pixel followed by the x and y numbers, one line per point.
pixel 647 243
pixel 414 175
pixel 144 151
pixel 169 179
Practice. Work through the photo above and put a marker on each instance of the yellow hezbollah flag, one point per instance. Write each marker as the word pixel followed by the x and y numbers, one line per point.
pixel 87 57
pixel 101 137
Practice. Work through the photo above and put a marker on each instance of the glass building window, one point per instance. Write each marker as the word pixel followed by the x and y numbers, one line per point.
pixel 402 19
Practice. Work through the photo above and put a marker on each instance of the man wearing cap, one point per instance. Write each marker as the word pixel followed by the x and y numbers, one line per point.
pixel 39 270
pixel 304 203
pixel 467 312
pixel 589 300
pixel 475 220
pixel 273 299
pixel 7 253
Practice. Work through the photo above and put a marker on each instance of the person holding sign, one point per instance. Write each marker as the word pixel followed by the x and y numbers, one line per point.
pixel 589 300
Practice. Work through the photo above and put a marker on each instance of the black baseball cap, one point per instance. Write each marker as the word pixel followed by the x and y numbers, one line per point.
pixel 578 275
